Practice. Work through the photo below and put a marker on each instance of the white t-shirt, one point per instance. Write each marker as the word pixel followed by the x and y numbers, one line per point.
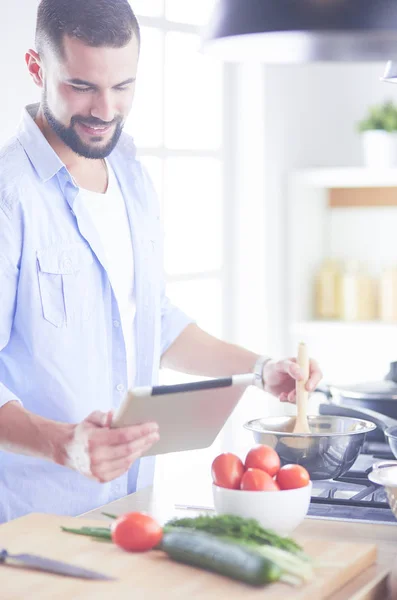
pixel 109 215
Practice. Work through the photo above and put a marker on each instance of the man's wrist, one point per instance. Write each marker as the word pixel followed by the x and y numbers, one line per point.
pixel 260 363
pixel 58 436
pixel 23 432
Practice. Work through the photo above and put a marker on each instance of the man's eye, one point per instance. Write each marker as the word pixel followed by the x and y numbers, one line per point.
pixel 122 88
pixel 81 89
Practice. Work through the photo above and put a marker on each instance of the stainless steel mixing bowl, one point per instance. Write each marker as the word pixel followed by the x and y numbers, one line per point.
pixel 328 451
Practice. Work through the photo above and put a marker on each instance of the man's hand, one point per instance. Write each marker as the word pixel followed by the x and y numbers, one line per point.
pixel 102 453
pixel 280 378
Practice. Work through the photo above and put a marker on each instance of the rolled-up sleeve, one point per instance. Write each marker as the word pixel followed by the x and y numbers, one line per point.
pixel 173 322
pixel 9 271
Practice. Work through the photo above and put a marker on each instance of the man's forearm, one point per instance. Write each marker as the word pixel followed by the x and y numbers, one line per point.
pixel 23 432
pixel 199 353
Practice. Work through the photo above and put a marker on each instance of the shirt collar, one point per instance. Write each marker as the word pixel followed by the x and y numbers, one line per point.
pixel 44 159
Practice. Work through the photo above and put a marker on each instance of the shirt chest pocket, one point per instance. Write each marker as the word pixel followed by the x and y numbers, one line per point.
pixel 66 276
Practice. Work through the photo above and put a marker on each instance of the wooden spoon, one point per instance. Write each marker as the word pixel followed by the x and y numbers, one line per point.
pixel 302 395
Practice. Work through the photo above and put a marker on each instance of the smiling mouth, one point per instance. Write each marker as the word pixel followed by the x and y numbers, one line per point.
pixel 95 130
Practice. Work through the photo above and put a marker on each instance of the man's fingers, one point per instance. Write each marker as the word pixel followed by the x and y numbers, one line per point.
pixel 110 453
pixel 97 418
pixel 110 470
pixel 106 471
pixel 109 418
pixel 290 367
pixel 122 435
pixel 315 376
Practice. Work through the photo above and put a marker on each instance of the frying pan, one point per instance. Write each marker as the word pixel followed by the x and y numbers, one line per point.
pixel 386 424
pixel 380 396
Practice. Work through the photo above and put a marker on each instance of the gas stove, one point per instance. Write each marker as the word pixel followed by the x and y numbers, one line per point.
pixel 353 497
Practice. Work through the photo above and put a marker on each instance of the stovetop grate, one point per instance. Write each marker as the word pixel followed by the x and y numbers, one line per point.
pixel 353 496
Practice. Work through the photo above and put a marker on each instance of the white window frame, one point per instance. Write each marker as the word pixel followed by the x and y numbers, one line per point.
pixel 225 154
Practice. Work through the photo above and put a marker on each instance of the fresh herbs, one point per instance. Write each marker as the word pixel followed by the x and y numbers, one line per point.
pixel 238 528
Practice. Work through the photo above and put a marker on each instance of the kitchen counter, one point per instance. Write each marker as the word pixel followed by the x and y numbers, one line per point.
pixel 159 503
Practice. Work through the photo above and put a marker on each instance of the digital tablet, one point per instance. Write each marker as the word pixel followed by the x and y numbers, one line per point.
pixel 189 415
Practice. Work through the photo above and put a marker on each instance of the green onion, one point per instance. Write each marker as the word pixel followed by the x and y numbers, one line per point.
pixel 96 532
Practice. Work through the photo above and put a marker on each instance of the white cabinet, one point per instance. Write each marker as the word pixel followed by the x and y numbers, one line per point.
pixel 315 230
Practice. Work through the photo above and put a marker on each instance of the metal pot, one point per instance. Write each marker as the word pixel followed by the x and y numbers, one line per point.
pixel 380 396
pixel 386 425
pixel 327 452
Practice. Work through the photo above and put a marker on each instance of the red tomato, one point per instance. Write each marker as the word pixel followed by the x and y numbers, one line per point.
pixel 136 532
pixel 263 457
pixel 227 470
pixel 291 477
pixel 258 481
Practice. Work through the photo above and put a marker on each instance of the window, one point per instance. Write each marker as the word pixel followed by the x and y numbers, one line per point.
pixel 178 124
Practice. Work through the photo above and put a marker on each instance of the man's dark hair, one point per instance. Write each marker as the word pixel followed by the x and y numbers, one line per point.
pixel 95 22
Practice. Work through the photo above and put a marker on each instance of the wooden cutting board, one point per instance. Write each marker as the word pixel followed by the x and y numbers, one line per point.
pixel 152 575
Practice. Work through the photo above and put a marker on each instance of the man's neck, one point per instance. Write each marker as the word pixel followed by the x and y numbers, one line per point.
pixel 88 173
pixel 69 158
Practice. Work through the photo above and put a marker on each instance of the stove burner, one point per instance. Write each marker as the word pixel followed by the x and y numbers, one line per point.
pixel 353 496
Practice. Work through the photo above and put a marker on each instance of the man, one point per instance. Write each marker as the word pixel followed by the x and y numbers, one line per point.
pixel 83 311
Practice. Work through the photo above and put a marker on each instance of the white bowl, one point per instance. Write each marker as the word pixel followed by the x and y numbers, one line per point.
pixel 280 511
pixel 385 473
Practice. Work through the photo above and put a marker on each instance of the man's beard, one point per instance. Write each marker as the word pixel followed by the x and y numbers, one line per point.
pixel 69 136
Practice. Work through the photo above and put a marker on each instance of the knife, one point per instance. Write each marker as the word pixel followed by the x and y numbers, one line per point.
pixel 51 566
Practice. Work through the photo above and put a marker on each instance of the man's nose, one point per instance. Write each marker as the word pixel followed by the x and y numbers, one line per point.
pixel 102 108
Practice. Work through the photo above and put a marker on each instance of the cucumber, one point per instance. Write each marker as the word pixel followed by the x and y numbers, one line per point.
pixel 203 550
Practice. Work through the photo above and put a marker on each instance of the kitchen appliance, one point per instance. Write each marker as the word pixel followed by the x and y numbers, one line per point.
pixel 327 452
pixel 386 425
pixel 287 31
pixel 350 495
pixel 380 396
pixel 353 497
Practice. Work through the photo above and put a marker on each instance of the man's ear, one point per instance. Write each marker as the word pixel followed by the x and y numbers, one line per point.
pixel 33 62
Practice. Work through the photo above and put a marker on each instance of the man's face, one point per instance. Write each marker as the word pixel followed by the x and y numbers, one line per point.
pixel 87 94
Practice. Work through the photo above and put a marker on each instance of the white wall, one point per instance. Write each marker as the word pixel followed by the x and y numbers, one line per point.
pixel 310 115
pixel 17 27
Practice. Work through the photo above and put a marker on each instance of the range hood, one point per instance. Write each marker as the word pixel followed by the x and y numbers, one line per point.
pixel 301 31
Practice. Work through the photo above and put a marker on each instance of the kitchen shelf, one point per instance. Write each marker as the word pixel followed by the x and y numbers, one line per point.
pixel 315 231
pixel 353 177
pixel 323 326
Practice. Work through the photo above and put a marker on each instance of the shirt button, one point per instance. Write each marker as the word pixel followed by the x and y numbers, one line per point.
pixel 120 387
pixel 116 323
pixel 67 264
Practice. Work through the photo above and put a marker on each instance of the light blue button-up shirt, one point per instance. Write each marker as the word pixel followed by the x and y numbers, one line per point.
pixel 62 354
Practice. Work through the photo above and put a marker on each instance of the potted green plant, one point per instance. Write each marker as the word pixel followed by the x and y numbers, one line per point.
pixel 379 135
